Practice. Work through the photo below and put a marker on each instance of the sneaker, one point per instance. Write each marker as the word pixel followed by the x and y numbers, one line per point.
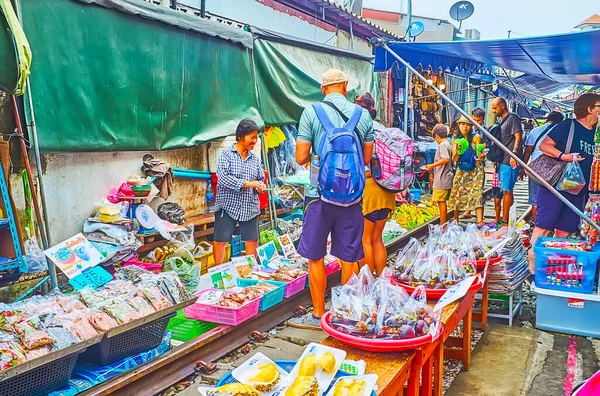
pixel 308 322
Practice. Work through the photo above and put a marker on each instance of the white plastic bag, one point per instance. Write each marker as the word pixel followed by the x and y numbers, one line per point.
pixel 572 179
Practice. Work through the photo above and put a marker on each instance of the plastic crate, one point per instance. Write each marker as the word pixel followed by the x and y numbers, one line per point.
pixel 222 315
pixel 41 380
pixel 207 260
pixel 567 312
pixel 291 288
pixel 269 299
pixel 565 270
pixel 139 339
pixel 184 329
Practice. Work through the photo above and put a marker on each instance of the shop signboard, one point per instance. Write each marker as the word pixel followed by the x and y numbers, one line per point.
pixel 74 255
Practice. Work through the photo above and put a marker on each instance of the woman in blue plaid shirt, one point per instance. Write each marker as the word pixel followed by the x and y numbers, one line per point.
pixel 241 177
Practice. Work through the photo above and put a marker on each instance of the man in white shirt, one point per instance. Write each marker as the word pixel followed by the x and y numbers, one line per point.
pixel 532 151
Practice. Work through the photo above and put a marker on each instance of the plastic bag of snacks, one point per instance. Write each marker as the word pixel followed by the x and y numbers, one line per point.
pixel 572 179
pixel 120 311
pixel 480 246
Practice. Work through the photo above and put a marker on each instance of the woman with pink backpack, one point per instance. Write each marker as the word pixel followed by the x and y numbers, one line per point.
pixel 390 172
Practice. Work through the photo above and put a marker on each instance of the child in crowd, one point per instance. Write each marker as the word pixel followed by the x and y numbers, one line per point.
pixel 442 170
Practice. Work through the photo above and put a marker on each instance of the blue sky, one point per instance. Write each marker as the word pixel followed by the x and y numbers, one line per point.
pixel 494 18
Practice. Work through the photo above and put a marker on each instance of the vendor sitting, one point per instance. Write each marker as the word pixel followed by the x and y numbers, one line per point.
pixel 241 177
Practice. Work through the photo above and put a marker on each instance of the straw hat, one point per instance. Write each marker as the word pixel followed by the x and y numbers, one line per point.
pixel 464 120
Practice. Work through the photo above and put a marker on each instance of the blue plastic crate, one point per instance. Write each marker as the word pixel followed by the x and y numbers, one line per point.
pixel 569 313
pixel 415 194
pixel 565 270
pixel 270 299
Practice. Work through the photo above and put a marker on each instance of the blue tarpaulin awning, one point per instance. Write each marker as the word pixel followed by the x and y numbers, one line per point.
pixel 570 58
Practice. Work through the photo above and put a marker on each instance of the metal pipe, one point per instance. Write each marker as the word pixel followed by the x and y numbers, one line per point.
pixel 38 165
pixel 455 91
pixel 174 4
pixel 36 205
pixel 203 8
pixel 351 36
pixel 493 139
pixel 521 96
pixel 407 79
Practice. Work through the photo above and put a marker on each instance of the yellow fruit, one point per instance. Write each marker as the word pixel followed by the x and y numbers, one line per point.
pixel 327 361
pixel 349 387
pixel 303 386
pixel 265 377
pixel 308 367
pixel 235 389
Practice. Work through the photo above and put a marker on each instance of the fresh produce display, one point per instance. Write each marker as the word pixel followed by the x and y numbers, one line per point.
pixel 235 389
pixel 446 259
pixel 303 386
pixel 369 308
pixel 410 216
pixel 43 324
pixel 268 236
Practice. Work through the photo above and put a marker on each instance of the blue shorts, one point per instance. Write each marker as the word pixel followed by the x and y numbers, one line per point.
pixel 507 177
pixel 533 190
pixel 346 226
pixel 497 192
pixel 553 214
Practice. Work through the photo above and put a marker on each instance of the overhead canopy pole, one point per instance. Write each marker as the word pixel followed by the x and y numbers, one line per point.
pixel 543 182
pixel 407 77
pixel 566 106
pixel 521 96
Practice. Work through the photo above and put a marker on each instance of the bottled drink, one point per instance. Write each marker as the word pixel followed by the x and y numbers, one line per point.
pixel 375 167
pixel 314 171
pixel 210 198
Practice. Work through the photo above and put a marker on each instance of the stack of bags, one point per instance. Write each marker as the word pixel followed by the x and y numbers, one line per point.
pixel 508 274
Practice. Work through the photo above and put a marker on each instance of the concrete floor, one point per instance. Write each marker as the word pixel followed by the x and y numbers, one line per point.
pixel 511 361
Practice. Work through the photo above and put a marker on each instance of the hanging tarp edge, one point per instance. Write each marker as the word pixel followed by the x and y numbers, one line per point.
pixel 177 19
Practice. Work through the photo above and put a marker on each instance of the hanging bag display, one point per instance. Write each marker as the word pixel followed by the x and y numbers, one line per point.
pixel 551 169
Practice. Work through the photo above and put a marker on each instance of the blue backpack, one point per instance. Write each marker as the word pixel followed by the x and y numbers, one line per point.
pixel 466 161
pixel 341 180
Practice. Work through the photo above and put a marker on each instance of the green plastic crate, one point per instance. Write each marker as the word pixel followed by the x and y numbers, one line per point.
pixel 185 329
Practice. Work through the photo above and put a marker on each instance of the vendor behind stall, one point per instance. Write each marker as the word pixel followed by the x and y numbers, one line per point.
pixel 240 176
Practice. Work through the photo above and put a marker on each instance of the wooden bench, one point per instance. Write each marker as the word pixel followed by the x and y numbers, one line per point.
pixel 397 369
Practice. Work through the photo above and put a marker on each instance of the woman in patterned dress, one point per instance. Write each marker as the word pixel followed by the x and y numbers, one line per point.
pixel 467 190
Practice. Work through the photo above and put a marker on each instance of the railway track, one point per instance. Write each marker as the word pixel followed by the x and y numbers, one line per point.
pixel 179 363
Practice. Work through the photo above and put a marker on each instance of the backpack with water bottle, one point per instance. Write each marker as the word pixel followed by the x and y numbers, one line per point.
pixel 393 150
pixel 341 174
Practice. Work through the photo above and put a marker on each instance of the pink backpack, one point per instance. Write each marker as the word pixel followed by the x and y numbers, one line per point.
pixel 394 149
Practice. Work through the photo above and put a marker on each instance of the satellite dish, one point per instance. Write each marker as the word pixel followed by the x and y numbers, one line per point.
pixel 416 28
pixel 461 10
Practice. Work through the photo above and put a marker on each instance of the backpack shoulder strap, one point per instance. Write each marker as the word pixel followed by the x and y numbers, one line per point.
pixel 352 123
pixel 570 137
pixel 357 109
pixel 322 116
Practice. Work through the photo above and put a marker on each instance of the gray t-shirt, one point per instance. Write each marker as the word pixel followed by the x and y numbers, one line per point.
pixel 508 129
pixel 310 128
pixel 442 175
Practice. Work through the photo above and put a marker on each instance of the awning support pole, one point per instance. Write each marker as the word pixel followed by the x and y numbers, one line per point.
pixel 521 96
pixel 493 139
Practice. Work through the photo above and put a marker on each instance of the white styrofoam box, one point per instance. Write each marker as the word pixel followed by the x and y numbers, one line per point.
pixel 567 312
pixel 215 148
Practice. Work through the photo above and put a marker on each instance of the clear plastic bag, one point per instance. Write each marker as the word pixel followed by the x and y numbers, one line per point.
pixel 572 179
pixel 405 259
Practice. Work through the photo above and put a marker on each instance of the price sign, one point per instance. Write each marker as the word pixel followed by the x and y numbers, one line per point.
pixel 91 277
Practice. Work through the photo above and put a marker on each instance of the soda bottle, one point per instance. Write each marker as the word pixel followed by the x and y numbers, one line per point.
pixel 375 166
pixel 210 198
pixel 314 171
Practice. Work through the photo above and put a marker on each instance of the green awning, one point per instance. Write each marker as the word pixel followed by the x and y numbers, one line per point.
pixel 288 78
pixel 106 79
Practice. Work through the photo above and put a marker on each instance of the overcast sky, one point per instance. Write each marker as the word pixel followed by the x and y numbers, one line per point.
pixel 494 18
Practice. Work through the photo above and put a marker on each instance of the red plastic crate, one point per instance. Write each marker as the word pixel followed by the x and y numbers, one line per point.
pixel 222 315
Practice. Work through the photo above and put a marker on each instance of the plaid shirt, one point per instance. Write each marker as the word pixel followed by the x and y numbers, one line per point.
pixel 241 204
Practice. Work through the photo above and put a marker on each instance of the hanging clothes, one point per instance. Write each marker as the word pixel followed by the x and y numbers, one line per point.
pixel 23 49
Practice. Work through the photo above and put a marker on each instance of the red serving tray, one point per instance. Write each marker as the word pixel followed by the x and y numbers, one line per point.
pixel 480 264
pixel 376 345
pixel 436 294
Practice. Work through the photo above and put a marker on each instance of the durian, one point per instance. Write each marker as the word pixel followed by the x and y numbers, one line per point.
pixel 327 361
pixel 303 386
pixel 349 387
pixel 308 367
pixel 265 377
pixel 235 389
